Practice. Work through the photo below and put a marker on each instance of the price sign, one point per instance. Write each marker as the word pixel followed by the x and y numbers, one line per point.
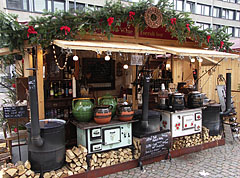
pixel 137 60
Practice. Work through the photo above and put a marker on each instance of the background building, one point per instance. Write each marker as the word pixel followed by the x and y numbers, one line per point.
pixel 205 13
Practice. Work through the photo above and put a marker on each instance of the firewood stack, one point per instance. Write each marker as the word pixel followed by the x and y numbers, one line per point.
pixel 100 160
pixel 194 139
pixel 207 138
pixel 76 163
pixel 76 159
pixel 19 170
pixel 137 147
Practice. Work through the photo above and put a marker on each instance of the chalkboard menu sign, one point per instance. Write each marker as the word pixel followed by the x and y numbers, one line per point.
pixel 156 143
pixel 15 112
pixel 99 73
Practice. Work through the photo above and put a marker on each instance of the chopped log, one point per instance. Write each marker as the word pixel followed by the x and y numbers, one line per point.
pixel 75 160
pixel 18 163
pixel 81 170
pixel 68 160
pixel 94 157
pixel 98 155
pixel 78 164
pixel 23 176
pixel 70 154
pixel 29 172
pixel 83 149
pixel 37 175
pixel 84 165
pixel 52 173
pixel 59 172
pixel 47 175
pixel 72 165
pixel 104 165
pixel 11 171
pixel 27 164
pixel 81 160
pixel 70 173
pixel 3 174
pixel 21 170
pixel 77 168
pixel 76 151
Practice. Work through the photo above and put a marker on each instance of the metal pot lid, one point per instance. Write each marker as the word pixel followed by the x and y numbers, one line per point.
pixel 195 92
pixel 178 94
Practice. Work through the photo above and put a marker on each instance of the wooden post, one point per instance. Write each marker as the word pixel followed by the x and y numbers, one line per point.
pixel 134 99
pixel 198 67
pixel 28 63
pixel 39 75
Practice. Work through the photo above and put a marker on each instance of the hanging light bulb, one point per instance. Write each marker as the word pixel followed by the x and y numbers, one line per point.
pixel 200 59
pixel 107 58
pixel 168 66
pixel 192 59
pixel 75 57
pixel 125 66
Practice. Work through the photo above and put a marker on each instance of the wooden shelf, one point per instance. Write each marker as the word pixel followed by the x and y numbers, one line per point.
pixel 59 99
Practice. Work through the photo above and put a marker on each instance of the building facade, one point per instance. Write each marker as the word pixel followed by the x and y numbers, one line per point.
pixel 205 13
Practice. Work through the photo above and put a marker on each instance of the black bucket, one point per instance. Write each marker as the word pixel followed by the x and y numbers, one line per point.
pixel 51 155
pixel 212 120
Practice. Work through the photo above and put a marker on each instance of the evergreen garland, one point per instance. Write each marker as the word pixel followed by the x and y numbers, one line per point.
pixel 48 27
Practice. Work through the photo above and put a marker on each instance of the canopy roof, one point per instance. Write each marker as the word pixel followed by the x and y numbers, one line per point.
pixel 105 46
pixel 194 52
pixel 6 51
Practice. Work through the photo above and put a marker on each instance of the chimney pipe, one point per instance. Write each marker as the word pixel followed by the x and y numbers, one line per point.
pixel 228 91
pixel 145 97
pixel 35 128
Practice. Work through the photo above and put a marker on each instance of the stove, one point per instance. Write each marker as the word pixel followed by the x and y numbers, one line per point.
pixel 98 138
pixel 181 122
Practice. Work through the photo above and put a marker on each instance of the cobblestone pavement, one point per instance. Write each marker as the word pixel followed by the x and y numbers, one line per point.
pixel 218 162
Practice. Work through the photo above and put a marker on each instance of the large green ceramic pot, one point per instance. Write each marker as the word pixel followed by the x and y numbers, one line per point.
pixel 82 109
pixel 108 100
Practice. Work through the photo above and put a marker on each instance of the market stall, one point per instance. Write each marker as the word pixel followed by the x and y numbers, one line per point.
pixel 121 100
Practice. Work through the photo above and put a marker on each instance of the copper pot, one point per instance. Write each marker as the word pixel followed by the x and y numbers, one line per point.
pixel 103 114
pixel 125 112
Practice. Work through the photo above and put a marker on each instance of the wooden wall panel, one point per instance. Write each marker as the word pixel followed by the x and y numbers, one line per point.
pixel 209 82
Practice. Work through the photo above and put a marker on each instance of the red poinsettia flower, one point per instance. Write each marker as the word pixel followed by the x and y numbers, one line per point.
pixel 131 14
pixel 187 25
pixel 221 44
pixel 14 85
pixel 31 30
pixel 66 28
pixel 15 130
pixel 173 21
pixel 110 20
pixel 208 38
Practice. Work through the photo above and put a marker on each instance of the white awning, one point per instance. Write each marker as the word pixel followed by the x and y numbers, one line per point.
pixel 105 46
pixel 6 51
pixel 194 52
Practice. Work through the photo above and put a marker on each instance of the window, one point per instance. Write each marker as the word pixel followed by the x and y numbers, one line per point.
pixel 79 7
pixel 39 5
pixel 54 5
pixel 91 7
pixel 238 15
pixel 237 32
pixel 215 27
pixel 190 7
pixel 203 9
pixel 216 12
pixel 17 4
pixel 230 30
pixel 228 14
pixel 223 13
pixel 203 26
pixel 177 4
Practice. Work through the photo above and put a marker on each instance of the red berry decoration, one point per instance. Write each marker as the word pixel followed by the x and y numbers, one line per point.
pixel 208 38
pixel 110 20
